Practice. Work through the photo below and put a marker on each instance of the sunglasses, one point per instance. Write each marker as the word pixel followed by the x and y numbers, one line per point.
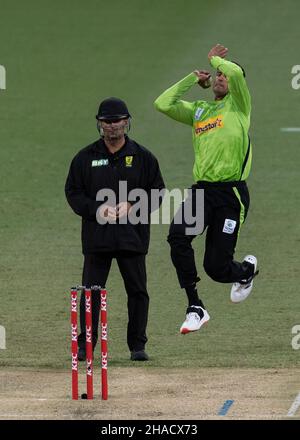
pixel 112 121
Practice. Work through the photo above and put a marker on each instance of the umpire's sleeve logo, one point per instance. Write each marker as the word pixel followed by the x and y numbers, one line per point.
pixel 229 226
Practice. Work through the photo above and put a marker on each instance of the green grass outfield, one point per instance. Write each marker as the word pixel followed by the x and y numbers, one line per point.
pixel 61 59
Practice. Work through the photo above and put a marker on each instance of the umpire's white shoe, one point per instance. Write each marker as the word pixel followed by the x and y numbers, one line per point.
pixel 196 316
pixel 240 291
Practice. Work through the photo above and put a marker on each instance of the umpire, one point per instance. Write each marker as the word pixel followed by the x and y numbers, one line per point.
pixel 103 165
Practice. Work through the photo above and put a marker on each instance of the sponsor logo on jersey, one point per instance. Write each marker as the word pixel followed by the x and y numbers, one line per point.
pixel 209 124
pixel 229 226
pixel 198 113
pixel 99 163
pixel 128 161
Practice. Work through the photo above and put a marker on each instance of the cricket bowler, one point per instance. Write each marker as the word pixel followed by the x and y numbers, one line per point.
pixel 223 153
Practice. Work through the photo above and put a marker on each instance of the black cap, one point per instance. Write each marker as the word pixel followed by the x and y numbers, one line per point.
pixel 112 108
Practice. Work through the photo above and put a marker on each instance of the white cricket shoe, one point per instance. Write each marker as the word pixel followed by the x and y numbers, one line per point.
pixel 196 316
pixel 240 291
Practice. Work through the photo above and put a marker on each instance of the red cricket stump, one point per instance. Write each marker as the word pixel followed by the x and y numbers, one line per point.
pixel 104 354
pixel 74 343
pixel 89 343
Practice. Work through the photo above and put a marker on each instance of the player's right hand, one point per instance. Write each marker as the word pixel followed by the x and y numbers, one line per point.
pixel 109 213
pixel 218 50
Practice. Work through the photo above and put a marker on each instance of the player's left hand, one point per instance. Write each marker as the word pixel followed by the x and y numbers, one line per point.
pixel 218 50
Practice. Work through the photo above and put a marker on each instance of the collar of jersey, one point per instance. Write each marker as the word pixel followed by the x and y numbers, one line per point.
pixel 127 149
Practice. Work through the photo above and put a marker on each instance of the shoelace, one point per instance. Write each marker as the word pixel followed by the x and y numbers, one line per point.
pixel 195 316
pixel 198 312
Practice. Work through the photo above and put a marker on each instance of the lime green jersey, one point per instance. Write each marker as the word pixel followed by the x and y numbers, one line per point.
pixel 220 128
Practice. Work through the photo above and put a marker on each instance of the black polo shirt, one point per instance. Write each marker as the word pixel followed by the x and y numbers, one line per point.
pixel 95 168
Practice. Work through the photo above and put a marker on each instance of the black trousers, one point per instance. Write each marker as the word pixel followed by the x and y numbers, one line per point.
pixel 133 270
pixel 225 209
